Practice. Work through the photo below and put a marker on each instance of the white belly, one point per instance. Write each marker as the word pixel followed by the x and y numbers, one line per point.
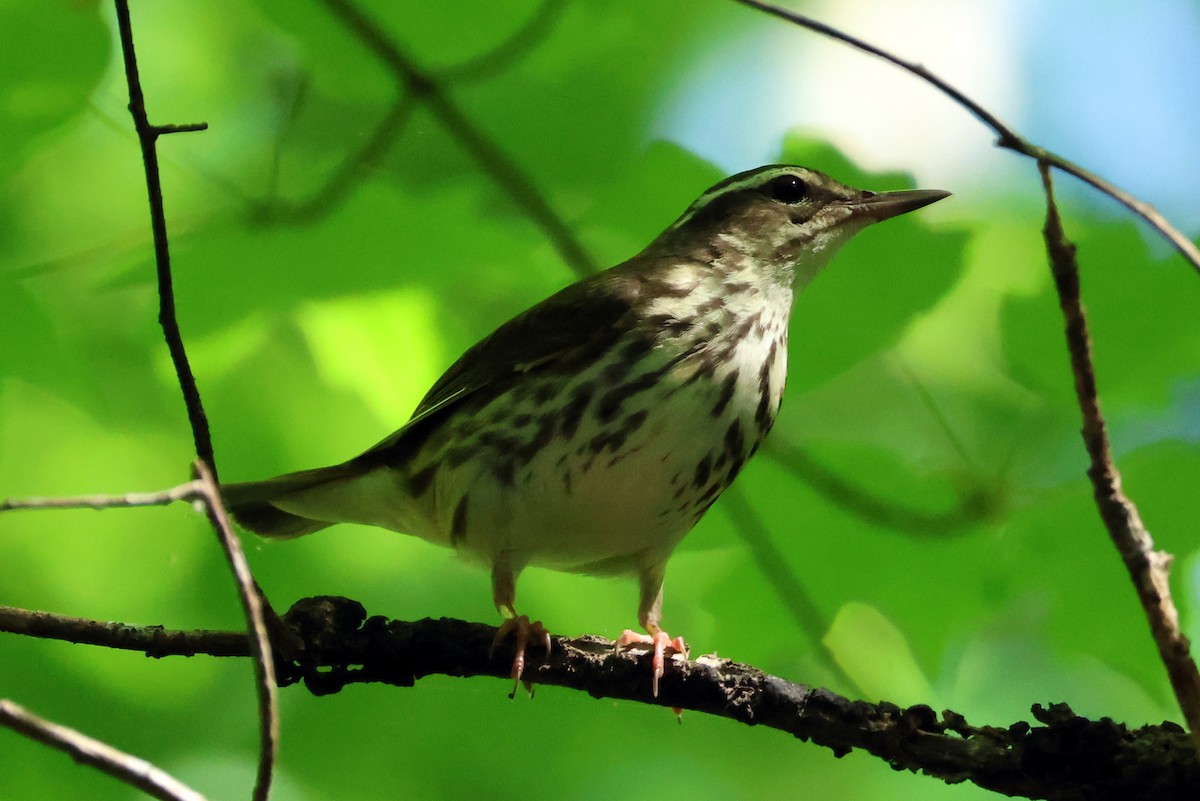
pixel 621 492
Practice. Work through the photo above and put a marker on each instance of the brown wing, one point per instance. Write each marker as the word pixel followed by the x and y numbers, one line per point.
pixel 566 330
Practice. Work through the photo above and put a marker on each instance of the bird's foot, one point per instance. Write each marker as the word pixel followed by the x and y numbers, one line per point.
pixel 524 631
pixel 660 641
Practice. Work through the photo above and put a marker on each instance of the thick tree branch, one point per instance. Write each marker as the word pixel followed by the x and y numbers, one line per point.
pixel 1006 136
pixel 1067 758
pixel 1148 568
pixel 87 751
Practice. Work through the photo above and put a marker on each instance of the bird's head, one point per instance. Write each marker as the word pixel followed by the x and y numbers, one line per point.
pixel 788 220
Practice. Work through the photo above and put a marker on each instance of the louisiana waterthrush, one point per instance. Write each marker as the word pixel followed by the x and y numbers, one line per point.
pixel 591 432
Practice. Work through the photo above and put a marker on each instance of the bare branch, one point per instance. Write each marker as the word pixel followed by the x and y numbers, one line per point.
pixel 345 177
pixel 1068 757
pixel 260 642
pixel 184 492
pixel 206 466
pixel 973 506
pixel 785 581
pixel 1148 568
pixel 148 137
pixel 502 56
pixel 349 173
pixel 83 749
pixel 491 159
pixel 154 641
pixel 1006 136
pixel 191 127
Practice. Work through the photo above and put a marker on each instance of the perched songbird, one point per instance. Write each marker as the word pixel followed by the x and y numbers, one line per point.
pixel 591 432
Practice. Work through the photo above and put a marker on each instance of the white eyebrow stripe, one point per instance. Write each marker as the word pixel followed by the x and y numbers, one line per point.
pixel 751 181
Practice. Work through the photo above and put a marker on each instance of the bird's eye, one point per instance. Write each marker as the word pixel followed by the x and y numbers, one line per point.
pixel 787 189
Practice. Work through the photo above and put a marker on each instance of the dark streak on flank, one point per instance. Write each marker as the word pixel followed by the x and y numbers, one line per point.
pixel 505 471
pixel 458 526
pixel 615 438
pixel 609 404
pixel 735 467
pixel 764 416
pixel 613 374
pixel 419 482
pixel 727 387
pixel 494 440
pixel 702 472
pixel 735 441
pixel 572 413
pixel 547 424
pixel 544 392
pixel 458 455
pixel 743 327
pixel 706 369
pixel 637 348
pixel 710 306
pixel 617 459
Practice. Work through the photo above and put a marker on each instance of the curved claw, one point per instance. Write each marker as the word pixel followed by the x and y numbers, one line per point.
pixel 523 629
pixel 660 642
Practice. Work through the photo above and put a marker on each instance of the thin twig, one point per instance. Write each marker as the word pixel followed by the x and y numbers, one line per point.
pixel 787 585
pixel 1147 567
pixel 206 466
pixel 184 492
pixel 252 606
pixel 154 641
pixel 133 771
pixel 974 506
pixel 148 137
pixel 502 56
pixel 491 159
pixel 203 489
pixel 1007 137
pixel 344 179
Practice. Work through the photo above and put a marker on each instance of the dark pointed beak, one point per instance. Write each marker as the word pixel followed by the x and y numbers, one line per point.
pixel 878 206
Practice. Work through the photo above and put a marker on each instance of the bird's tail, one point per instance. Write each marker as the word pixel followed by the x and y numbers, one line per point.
pixel 253 503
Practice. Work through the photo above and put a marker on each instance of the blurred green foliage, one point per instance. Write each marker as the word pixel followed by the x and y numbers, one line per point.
pixel 928 371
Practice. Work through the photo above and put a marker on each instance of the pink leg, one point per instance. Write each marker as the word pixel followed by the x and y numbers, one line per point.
pixel 650 582
pixel 504 592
